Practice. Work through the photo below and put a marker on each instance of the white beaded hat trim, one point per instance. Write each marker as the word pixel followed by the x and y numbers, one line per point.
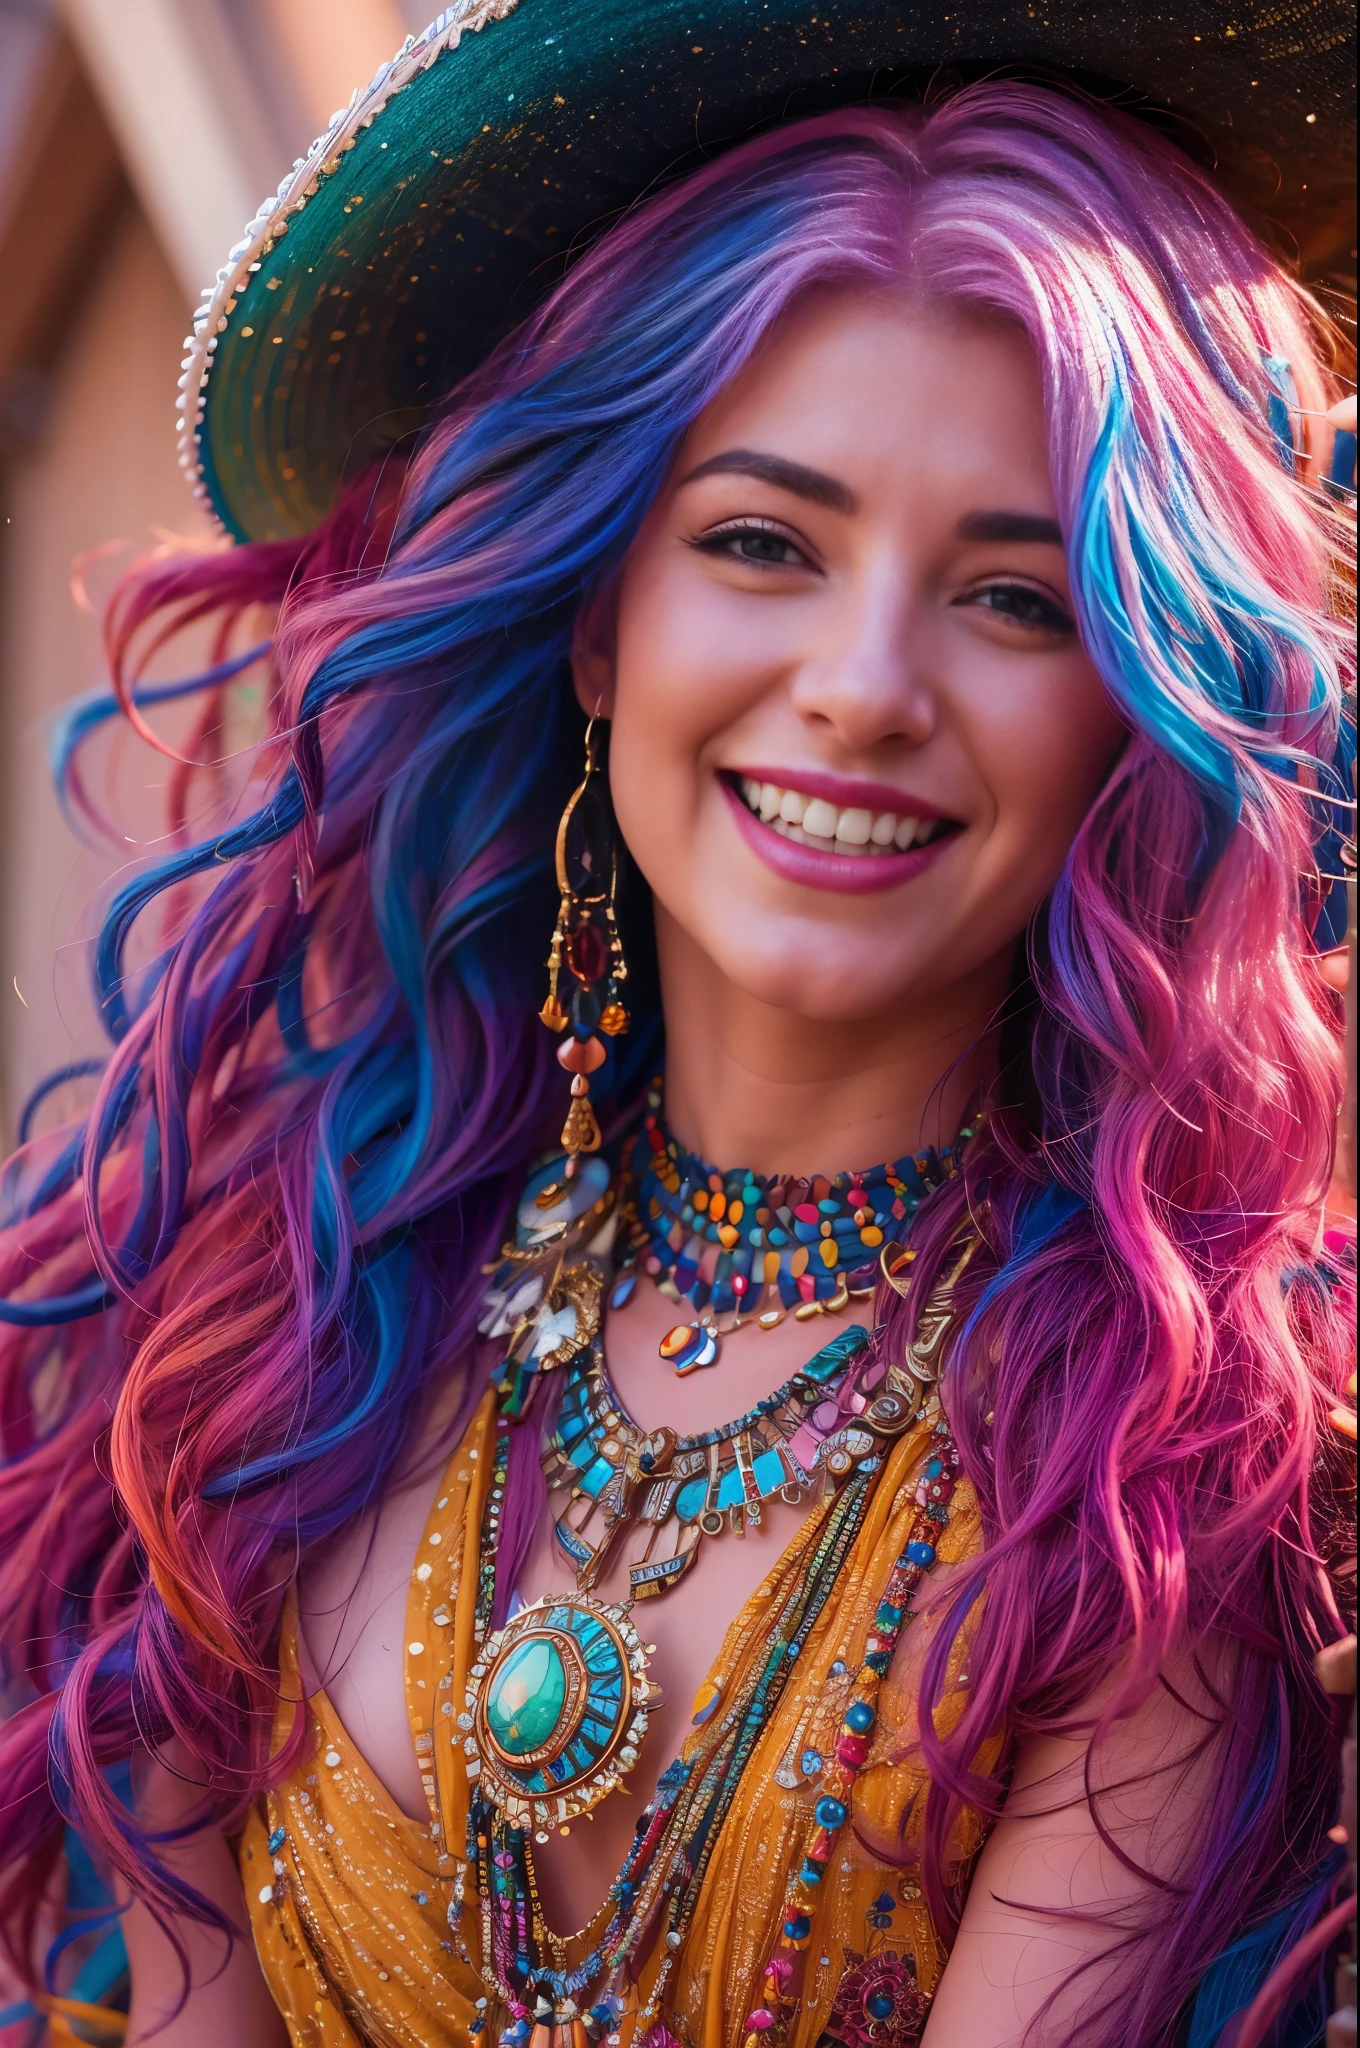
pixel 322 159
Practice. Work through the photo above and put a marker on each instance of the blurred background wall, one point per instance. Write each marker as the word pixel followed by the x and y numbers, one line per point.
pixel 137 137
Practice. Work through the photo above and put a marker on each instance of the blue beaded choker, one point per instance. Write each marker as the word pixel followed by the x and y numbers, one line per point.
pixel 739 1245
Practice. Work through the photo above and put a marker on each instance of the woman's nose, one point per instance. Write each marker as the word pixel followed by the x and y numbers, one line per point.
pixel 870 678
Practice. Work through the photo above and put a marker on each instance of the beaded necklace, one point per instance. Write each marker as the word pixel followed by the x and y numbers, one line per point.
pixel 783 1970
pixel 521 1961
pixel 557 1702
pixel 741 1245
pixel 622 1477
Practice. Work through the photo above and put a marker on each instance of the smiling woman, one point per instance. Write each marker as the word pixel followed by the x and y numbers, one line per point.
pixel 913 1644
pixel 842 628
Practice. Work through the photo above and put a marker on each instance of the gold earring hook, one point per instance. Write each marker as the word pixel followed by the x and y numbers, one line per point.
pixel 596 717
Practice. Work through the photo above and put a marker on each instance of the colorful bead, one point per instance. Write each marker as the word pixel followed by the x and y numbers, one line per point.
pixel 581 1055
pixel 679 1198
pixel 852 1749
pixel 686 1233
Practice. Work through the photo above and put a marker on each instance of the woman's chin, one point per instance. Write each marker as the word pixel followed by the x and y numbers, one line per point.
pixel 819 972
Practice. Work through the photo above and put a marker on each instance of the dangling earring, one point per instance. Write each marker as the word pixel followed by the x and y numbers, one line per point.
pixel 585 943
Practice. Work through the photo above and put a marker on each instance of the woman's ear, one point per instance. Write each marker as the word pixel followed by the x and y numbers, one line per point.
pixel 592 654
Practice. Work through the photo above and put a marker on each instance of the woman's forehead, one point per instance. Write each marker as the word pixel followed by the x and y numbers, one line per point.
pixel 878 379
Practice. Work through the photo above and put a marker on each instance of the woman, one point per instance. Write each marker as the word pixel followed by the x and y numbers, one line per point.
pixel 913 1640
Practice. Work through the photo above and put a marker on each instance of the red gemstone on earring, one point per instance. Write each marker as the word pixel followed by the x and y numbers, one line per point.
pixel 586 955
pixel 580 1055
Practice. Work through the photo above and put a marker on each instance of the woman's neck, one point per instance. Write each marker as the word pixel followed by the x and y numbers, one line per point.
pixel 755 1086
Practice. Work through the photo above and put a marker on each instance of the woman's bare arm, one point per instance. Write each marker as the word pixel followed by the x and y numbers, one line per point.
pixel 228 2000
pixel 1046 1859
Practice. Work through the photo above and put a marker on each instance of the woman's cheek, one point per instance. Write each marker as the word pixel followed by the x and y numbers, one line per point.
pixel 1044 742
pixel 677 686
pixel 658 726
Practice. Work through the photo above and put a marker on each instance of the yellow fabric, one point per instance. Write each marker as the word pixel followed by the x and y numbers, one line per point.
pixel 97 2022
pixel 350 1914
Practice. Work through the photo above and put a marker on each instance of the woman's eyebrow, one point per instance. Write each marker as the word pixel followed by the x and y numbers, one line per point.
pixel 1032 526
pixel 813 484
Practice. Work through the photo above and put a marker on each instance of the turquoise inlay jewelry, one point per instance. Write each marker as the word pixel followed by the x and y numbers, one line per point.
pixel 663 1868
pixel 623 1478
pixel 525 1699
pixel 557 1701
pixel 556 1708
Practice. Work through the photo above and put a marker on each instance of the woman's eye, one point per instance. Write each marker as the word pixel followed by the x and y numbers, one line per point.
pixel 1022 605
pixel 751 541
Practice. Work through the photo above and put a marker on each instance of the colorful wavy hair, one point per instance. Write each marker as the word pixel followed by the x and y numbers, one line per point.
pixel 230 1287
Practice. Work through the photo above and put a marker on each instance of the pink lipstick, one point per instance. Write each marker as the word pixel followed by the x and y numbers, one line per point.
pixel 861 869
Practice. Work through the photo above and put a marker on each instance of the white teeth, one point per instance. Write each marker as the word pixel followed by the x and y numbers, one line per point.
pixel 812 821
pixel 820 818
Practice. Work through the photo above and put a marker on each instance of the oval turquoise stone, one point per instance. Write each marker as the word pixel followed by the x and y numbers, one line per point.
pixel 527 1695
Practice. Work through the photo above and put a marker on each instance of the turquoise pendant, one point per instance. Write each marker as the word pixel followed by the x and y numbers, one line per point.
pixel 556 1710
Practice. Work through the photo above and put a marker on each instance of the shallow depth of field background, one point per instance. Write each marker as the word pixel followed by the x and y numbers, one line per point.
pixel 137 137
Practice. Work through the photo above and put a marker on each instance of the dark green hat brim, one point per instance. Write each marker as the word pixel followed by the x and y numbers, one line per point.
pixel 441 206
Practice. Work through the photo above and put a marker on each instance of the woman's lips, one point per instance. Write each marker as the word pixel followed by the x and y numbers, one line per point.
pixel 846 874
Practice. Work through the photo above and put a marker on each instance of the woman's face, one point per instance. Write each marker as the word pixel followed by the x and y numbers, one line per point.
pixel 854 729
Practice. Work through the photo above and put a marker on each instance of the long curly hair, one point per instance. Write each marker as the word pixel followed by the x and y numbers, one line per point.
pixel 230 1287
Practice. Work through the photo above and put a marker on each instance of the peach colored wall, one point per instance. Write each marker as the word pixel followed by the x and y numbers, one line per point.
pixel 331 49
pixel 104 470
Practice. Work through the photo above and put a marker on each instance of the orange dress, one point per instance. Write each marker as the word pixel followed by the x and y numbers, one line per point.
pixel 350 1899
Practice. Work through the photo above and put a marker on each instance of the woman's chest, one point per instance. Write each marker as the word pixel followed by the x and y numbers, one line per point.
pixel 684 1633
pixel 355 1605
pixel 354 1613
pixel 353 1596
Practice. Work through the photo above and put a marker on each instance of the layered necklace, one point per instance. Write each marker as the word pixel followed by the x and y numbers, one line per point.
pixel 625 1482
pixel 558 1699
pixel 752 1249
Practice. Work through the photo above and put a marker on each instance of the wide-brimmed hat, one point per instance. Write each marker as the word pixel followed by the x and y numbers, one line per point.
pixel 445 199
